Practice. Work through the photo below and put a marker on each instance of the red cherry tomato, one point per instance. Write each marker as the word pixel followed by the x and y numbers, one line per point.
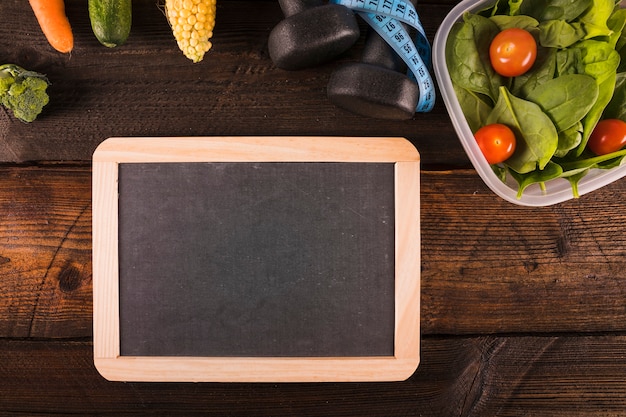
pixel 496 141
pixel 513 52
pixel 608 136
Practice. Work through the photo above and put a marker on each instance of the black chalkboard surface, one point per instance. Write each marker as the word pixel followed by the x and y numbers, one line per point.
pixel 269 259
pixel 246 259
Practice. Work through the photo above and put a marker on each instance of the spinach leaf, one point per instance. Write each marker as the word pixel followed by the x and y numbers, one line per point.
pixel 567 10
pixel 569 139
pixel 566 99
pixel 467 55
pixel 532 125
pixel 489 11
pixel 594 20
pixel 499 7
pixel 543 71
pixel 475 109
pixel 600 61
pixel 607 161
pixel 514 7
pixel 574 179
pixel 550 172
pixel 569 61
pixel 559 33
pixel 575 171
pixel 522 22
pixel 500 171
pixel 616 23
pixel 616 109
pixel 620 47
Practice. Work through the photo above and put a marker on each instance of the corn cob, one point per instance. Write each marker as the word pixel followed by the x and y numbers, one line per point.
pixel 192 23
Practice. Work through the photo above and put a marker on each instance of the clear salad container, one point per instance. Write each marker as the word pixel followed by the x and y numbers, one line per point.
pixel 555 190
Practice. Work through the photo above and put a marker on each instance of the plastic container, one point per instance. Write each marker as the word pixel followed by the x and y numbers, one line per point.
pixel 557 190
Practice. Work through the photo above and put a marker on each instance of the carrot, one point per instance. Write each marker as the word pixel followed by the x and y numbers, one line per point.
pixel 54 23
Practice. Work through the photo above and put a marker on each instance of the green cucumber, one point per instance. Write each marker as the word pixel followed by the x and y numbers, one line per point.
pixel 110 21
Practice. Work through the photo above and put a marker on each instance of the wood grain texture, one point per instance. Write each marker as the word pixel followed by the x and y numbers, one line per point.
pixel 256 149
pixel 523 309
pixel 487 266
pixel 490 266
pixel 45 252
pixel 474 376
pixel 146 87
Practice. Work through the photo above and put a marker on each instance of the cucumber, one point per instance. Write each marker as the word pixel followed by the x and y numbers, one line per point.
pixel 110 20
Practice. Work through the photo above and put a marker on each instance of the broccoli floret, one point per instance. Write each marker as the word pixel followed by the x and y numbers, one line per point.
pixel 5 84
pixel 23 92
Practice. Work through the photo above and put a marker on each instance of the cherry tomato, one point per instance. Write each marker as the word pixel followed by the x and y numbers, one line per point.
pixel 608 136
pixel 513 52
pixel 496 141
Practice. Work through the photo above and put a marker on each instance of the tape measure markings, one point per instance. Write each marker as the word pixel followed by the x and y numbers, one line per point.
pixel 401 42
pixel 386 18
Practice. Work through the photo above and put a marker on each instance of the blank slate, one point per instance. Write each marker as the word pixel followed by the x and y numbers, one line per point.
pixel 269 259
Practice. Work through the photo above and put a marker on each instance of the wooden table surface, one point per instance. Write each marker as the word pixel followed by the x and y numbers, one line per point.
pixel 523 309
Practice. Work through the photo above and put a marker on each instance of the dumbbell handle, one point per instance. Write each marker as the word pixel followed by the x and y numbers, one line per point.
pixel 293 7
pixel 377 51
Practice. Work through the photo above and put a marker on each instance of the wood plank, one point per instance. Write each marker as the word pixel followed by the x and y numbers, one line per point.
pixel 475 376
pixel 491 266
pixel 148 88
pixel 45 251
pixel 488 266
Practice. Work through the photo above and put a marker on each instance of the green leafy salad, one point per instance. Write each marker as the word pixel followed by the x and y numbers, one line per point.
pixel 578 78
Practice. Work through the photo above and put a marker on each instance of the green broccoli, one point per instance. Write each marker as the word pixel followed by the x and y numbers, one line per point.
pixel 23 91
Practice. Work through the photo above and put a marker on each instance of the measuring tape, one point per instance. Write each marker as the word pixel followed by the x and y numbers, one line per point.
pixel 386 18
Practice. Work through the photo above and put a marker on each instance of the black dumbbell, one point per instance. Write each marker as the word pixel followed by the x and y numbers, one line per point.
pixel 376 87
pixel 311 33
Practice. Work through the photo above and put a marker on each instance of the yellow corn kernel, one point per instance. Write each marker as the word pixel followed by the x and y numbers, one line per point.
pixel 192 23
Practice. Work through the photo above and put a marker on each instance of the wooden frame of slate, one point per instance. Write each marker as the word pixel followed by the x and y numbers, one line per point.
pixel 394 300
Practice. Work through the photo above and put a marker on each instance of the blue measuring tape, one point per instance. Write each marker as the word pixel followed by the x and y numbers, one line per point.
pixel 386 18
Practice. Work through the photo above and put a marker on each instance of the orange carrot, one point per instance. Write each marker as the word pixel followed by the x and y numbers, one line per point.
pixel 54 23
